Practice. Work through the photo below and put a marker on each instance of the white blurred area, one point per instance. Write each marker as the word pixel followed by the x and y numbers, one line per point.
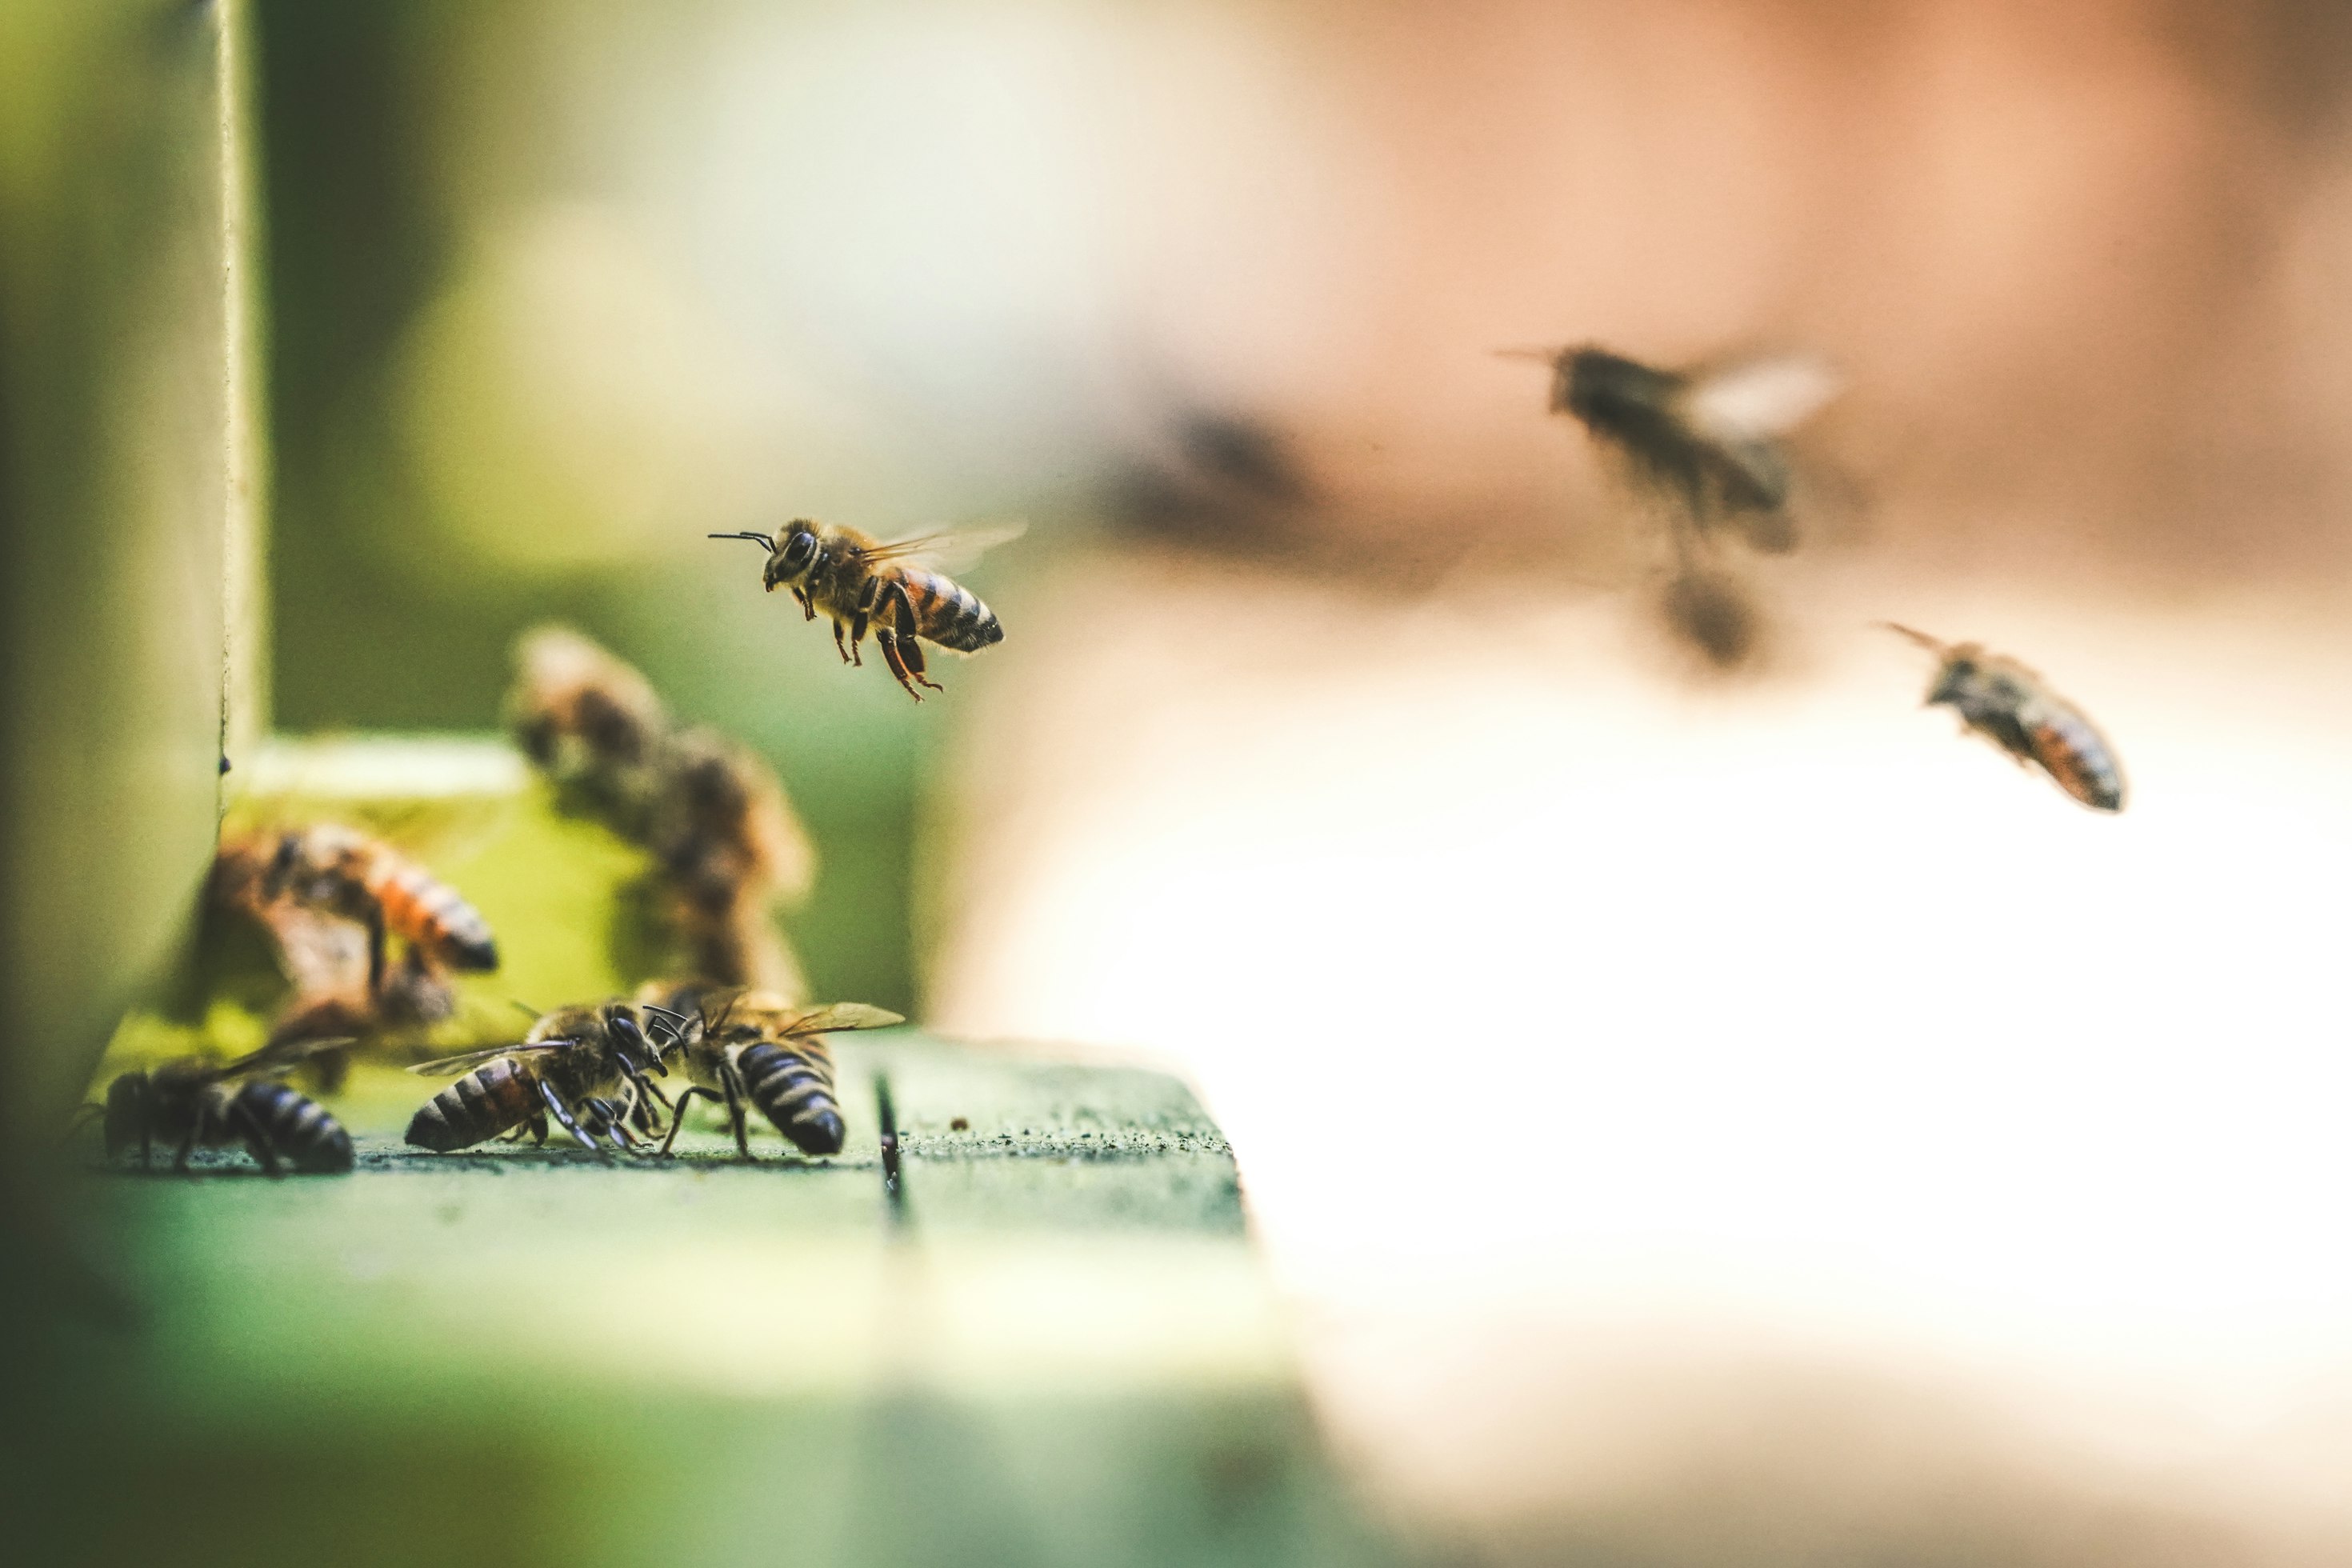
pixel 1601 1050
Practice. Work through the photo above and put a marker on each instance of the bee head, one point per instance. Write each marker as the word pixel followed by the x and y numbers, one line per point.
pixel 794 553
pixel 126 1110
pixel 637 1053
pixel 1953 681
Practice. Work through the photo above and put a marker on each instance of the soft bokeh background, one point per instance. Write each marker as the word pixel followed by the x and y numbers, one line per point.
pixel 1693 1119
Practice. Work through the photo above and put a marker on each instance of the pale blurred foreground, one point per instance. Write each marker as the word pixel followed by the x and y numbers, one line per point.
pixel 1748 1124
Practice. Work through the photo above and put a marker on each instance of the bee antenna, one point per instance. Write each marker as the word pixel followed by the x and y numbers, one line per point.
pixel 527 1010
pixel 754 538
pixel 1931 644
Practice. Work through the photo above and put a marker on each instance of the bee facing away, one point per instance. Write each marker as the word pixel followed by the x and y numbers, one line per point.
pixel 2009 704
pixel 586 1066
pixel 862 582
pixel 216 1104
pixel 334 868
pixel 1711 438
pixel 740 1047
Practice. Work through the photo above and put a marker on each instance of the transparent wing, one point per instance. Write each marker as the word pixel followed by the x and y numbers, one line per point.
pixel 842 1016
pixel 277 1057
pixel 1757 399
pixel 319 953
pixel 950 550
pixel 448 1067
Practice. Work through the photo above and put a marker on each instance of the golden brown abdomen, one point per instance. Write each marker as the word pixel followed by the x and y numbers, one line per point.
pixel 430 913
pixel 948 614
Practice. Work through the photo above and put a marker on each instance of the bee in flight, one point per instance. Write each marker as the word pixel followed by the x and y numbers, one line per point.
pixel 895 589
pixel 740 1047
pixel 586 1066
pixel 331 868
pixel 2009 704
pixel 1712 438
pixel 217 1104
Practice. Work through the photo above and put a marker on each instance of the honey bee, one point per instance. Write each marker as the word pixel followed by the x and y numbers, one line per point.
pixel 591 723
pixel 586 1066
pixel 217 1104
pixel 1712 438
pixel 729 849
pixel 334 868
pixel 860 582
pixel 739 1048
pixel 2009 704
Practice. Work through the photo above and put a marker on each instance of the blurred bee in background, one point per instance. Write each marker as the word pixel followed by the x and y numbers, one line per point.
pixel 324 957
pixel 213 1104
pixel 738 1048
pixel 1712 439
pixel 899 590
pixel 730 849
pixel 589 1068
pixel 1713 613
pixel 594 725
pixel 726 845
pixel 334 869
pixel 2009 704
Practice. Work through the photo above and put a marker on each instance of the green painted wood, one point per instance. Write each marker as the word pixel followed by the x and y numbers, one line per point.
pixel 1059 1348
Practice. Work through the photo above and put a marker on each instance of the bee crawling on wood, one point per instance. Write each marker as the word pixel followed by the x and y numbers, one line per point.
pixel 862 582
pixel 587 1068
pixel 2010 705
pixel 342 872
pixel 738 1048
pixel 1711 438
pixel 217 1104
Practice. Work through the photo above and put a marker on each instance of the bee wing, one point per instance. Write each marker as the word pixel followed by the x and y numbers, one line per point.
pixel 318 953
pixel 448 1067
pixel 1758 399
pixel 277 1057
pixel 952 550
pixel 842 1016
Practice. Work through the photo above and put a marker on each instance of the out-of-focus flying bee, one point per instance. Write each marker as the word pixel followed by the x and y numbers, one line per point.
pixel 730 850
pixel 893 588
pixel 1710 437
pixel 1713 613
pixel 591 723
pixel 586 1066
pixel 740 1047
pixel 345 873
pixel 2011 706
pixel 215 1104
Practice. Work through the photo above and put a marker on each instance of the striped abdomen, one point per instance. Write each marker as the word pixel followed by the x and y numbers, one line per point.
pixel 298 1128
pixel 476 1108
pixel 792 1087
pixel 948 613
pixel 2075 754
pixel 429 914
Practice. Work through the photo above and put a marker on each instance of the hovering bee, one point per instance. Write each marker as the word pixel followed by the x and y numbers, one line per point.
pixel 755 1048
pixel 1710 437
pixel 860 582
pixel 591 723
pixel 575 1064
pixel 345 873
pixel 730 849
pixel 217 1104
pixel 2002 701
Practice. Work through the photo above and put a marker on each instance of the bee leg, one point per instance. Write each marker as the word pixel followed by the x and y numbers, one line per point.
pixel 808 610
pixel 896 661
pixel 730 1081
pixel 537 1127
pixel 256 1139
pixel 375 951
pixel 188 1144
pixel 909 648
pixel 857 623
pixel 678 1118
pixel 563 1114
